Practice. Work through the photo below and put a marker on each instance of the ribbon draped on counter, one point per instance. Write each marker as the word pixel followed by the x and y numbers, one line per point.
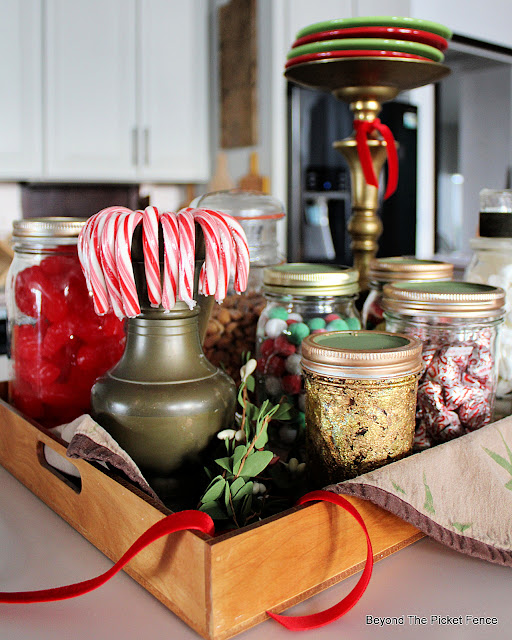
pixel 200 521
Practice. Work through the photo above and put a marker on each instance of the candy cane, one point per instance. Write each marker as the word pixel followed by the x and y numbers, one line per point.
pixel 171 235
pixel 242 249
pixel 151 254
pixel 124 237
pixel 227 255
pixel 108 258
pixel 101 297
pixel 187 234
pixel 210 269
pixel 83 249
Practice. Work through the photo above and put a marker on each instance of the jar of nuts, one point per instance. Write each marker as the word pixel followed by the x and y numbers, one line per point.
pixel 231 331
pixel 302 299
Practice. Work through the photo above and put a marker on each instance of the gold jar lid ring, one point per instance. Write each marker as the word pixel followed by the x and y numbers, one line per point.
pixel 453 299
pixel 361 354
pixel 409 268
pixel 305 279
pixel 44 228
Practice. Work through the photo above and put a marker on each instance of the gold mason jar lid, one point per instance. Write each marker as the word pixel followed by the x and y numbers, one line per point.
pixel 305 279
pixel 453 299
pixel 409 268
pixel 361 354
pixel 45 228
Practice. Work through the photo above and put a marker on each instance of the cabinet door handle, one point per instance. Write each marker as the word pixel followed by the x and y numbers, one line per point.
pixel 146 145
pixel 135 146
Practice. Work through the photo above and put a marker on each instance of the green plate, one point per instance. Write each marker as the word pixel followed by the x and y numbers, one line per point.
pixel 376 21
pixel 368 43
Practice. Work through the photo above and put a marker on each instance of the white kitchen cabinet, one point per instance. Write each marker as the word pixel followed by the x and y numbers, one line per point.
pixel 104 90
pixel 20 79
pixel 90 90
pixel 174 140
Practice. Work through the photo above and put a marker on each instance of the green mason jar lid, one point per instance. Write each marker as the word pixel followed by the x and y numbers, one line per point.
pixel 454 299
pixel 304 279
pixel 364 354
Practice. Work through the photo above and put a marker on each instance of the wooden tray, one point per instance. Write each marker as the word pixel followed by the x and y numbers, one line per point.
pixel 275 563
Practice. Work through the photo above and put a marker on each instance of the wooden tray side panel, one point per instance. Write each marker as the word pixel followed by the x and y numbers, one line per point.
pixel 172 569
pixel 287 560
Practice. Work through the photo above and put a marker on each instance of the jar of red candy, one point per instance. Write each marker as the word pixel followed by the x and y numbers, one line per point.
pixel 396 269
pixel 57 345
pixel 302 299
pixel 458 323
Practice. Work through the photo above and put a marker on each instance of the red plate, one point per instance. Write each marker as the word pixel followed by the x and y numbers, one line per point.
pixel 399 33
pixel 351 53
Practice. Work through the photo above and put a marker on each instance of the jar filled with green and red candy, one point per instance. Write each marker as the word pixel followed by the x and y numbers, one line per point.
pixel 57 345
pixel 301 299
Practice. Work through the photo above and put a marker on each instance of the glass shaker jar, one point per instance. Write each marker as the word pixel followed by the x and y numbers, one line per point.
pixel 231 330
pixel 57 344
pixel 491 263
pixel 301 299
pixel 458 324
pixel 396 269
pixel 360 401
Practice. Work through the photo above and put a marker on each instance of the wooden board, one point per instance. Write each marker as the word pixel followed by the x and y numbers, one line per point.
pixel 238 74
pixel 275 563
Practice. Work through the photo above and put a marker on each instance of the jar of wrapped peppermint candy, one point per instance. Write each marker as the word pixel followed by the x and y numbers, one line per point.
pixel 458 323
pixel 302 299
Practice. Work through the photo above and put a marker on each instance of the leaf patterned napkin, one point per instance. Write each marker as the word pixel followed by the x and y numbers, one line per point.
pixel 459 492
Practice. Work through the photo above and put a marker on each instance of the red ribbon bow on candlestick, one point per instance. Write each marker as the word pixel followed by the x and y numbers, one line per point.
pixel 202 522
pixel 363 129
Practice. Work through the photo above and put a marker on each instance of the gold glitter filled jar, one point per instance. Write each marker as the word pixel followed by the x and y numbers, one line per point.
pixel 360 401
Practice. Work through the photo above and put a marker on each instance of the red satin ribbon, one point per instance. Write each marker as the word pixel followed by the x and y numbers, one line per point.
pixel 200 521
pixel 363 129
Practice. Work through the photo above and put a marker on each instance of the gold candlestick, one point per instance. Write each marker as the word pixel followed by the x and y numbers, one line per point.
pixel 365 83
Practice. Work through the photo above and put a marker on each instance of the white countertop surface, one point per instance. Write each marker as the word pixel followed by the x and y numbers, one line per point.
pixel 39 550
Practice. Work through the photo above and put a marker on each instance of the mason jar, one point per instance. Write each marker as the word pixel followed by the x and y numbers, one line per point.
pixel 458 324
pixel 396 269
pixel 491 263
pixel 231 331
pixel 301 299
pixel 57 345
pixel 360 401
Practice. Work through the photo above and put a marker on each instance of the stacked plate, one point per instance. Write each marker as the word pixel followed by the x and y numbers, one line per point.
pixel 371 36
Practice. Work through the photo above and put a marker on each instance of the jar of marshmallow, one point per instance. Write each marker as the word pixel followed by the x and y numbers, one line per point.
pixel 492 264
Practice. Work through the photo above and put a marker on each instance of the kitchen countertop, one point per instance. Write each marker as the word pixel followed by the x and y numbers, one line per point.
pixel 38 549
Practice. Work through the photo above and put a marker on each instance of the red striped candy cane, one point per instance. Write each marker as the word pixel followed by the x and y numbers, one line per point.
pixel 108 258
pixel 210 269
pixel 242 249
pixel 101 298
pixel 151 254
pixel 187 256
pixel 227 256
pixel 171 235
pixel 124 237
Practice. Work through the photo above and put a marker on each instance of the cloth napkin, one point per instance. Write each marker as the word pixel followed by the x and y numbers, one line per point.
pixel 459 492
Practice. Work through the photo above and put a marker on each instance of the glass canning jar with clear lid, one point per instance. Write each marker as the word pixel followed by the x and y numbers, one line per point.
pixel 231 330
pixel 491 263
pixel 396 269
pixel 302 299
pixel 57 345
pixel 360 401
pixel 458 324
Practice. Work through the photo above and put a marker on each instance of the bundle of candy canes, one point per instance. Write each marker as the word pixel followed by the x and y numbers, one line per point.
pixel 456 390
pixel 104 250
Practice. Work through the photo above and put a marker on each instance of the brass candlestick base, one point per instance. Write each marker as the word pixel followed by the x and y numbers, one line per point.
pixel 365 83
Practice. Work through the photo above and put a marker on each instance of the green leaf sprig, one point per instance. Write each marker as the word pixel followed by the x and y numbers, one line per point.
pixel 232 495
